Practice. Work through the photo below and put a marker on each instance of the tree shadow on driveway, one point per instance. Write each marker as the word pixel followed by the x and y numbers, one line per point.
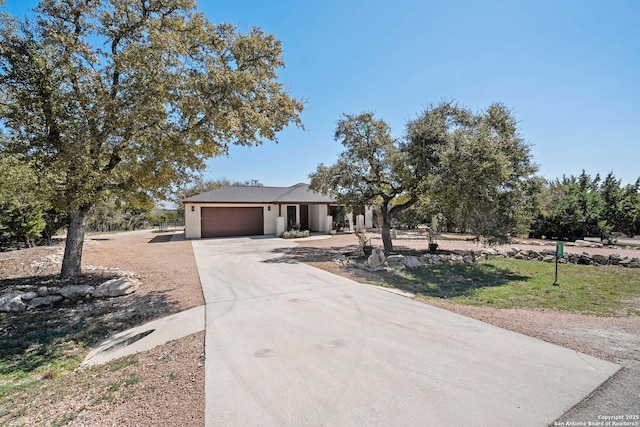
pixel 312 254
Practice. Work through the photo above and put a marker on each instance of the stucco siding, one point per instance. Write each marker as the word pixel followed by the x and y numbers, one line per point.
pixel 317 217
pixel 193 218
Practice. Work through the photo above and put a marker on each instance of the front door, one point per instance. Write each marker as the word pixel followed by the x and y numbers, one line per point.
pixel 304 217
pixel 292 218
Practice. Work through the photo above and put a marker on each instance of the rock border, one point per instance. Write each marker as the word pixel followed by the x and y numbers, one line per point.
pixel 378 261
pixel 19 301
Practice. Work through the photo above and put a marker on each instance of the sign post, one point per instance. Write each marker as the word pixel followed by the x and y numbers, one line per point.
pixel 559 254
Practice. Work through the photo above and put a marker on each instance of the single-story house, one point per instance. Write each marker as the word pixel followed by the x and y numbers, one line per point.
pixel 250 210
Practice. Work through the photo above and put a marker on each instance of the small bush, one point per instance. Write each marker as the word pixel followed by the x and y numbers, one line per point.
pixel 294 234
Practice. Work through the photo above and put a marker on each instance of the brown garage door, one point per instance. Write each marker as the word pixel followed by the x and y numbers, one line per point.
pixel 227 222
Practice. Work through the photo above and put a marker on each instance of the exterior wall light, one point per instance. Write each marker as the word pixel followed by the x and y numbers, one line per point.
pixel 193 208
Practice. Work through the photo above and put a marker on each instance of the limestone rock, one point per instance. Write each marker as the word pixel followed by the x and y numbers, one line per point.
pixel 47 300
pixel 393 260
pixel 615 259
pixel 411 262
pixel 587 244
pixel 549 258
pixel 43 291
pixel 12 301
pixel 116 287
pixel 74 292
pixel 601 259
pixel 585 259
pixel 376 259
pixel 456 260
pixel 28 296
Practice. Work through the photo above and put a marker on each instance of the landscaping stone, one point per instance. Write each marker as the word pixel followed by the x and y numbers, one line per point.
pixel 393 260
pixel 116 287
pixel 456 260
pixel 585 259
pixel 18 301
pixel 411 262
pixel 378 262
pixel 614 259
pixel 12 302
pixel 601 259
pixel 586 244
pixel 28 296
pixel 74 292
pixel 376 259
pixel 40 301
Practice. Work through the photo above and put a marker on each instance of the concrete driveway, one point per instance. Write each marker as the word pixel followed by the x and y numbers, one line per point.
pixel 288 344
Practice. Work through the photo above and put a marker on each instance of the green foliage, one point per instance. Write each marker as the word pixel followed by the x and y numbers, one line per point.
pixel 363 240
pixel 124 99
pixel 371 170
pixel 21 202
pixel 295 234
pixel 510 283
pixel 574 207
pixel 473 168
pixel 478 171
pixel 114 216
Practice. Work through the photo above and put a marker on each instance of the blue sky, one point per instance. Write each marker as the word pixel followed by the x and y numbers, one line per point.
pixel 569 70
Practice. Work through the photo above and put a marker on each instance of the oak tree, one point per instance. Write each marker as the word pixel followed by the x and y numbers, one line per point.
pixel 124 98
pixel 478 170
pixel 371 170
pixel 22 202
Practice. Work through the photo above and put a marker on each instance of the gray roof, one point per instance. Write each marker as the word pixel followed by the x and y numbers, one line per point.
pixel 298 193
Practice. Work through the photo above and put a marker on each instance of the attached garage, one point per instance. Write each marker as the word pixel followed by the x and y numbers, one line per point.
pixel 235 221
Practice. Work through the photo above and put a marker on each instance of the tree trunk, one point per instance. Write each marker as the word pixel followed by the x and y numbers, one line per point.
pixel 72 261
pixel 386 230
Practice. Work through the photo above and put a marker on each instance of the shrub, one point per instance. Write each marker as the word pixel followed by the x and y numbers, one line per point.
pixel 295 234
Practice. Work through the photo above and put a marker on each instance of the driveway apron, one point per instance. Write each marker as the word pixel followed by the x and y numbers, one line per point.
pixel 289 344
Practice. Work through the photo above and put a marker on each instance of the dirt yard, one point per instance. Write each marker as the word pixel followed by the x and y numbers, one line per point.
pixel 165 386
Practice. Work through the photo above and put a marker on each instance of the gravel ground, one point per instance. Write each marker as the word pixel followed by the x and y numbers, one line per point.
pixel 165 386
pixel 616 339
